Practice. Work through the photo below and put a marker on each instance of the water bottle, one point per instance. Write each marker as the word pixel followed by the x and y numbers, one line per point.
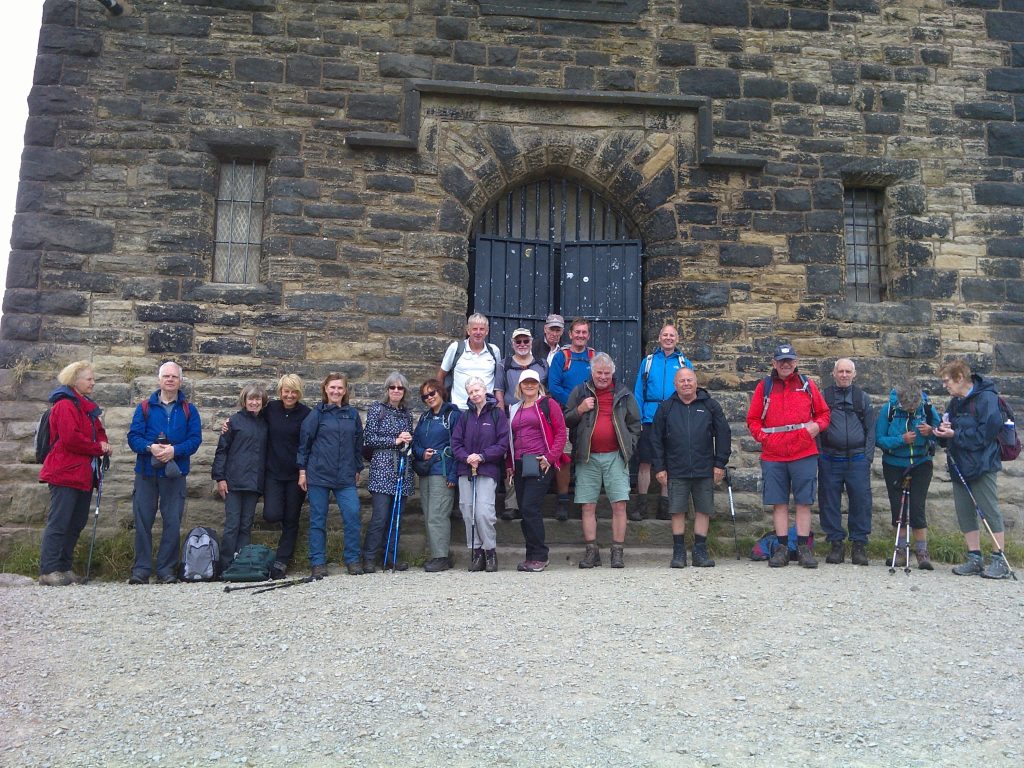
pixel 1008 430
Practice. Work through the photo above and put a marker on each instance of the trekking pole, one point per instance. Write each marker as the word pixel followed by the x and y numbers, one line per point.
pixel 903 524
pixel 101 466
pixel 998 550
pixel 257 585
pixel 396 514
pixel 732 509
pixel 283 584
pixel 472 508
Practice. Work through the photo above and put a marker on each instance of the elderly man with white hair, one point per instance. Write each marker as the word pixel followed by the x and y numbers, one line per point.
pixel 847 449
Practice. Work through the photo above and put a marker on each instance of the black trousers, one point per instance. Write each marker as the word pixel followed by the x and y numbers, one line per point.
pixel 282 503
pixel 531 492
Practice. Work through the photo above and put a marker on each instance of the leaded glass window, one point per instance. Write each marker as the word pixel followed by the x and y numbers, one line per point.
pixel 240 200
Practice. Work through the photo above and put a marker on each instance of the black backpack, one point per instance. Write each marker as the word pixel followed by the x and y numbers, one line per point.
pixel 449 376
pixel 43 443
pixel 252 563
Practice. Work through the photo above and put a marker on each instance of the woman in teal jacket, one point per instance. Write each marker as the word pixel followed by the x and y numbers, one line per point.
pixel 904 432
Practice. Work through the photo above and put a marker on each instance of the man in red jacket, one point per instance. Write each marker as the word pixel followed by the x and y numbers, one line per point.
pixel 785 420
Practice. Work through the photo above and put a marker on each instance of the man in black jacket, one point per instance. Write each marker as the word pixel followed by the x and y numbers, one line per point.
pixel 691 443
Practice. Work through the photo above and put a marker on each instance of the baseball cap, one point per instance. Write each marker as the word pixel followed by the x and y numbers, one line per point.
pixel 555 320
pixel 785 352
pixel 529 374
pixel 521 332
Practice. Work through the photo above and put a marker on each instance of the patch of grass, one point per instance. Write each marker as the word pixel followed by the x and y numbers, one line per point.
pixel 21 557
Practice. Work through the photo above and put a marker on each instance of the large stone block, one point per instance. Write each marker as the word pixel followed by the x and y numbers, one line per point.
pixel 724 13
pixel 42 231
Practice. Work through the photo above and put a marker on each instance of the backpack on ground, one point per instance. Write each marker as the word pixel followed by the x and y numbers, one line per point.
pixel 1008 439
pixel 252 563
pixel 449 376
pixel 200 555
pixel 765 547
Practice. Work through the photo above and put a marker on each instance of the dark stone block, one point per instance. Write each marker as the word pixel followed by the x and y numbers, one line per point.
pixel 571 29
pixel 814 21
pixel 708 81
pixel 781 223
pixel 171 339
pixel 765 88
pixel 738 255
pixel 225 293
pixel 920 346
pixel 732 129
pixel 169 313
pixel 402 65
pixel 307 189
pixel 758 110
pixel 934 57
pixel 997 193
pixel 816 249
pixel 579 78
pixel 617 79
pixel 1009 357
pixel 917 229
pixel 41 131
pixel 844 72
pixel 225 346
pixel 1015 291
pixel 696 213
pixel 149 289
pixel 660 189
pixel 178 24
pixel 909 199
pixel 1005 79
pixel 913 74
pixel 390 183
pixel 727 44
pixel 20 327
pixel 824 221
pixel 402 222
pixel 37 231
pixel 885 125
pixel 452 28
pixel 320 302
pixel 502 56
pixel 65 303
pixel 48 164
pixel 453 217
pixel 761 63
pixel 180 264
pixel 690 295
pixel 205 66
pixel 80 280
pixel 825 280
pixel 1005 26
pixel 302 70
pixel 799 126
pixel 1010 247
pixel 152 81
pixel 675 54
pixel 334 211
pixel 893 101
pixel 315 248
pixel 379 305
pixel 470 53
pixel 878 72
pixel 455 181
pixel 756 200
pixel 793 199
pixel 1001 267
pixel 827 194
pixel 374 107
pixel 723 13
pixel 257 70
pixel 984 110
pixel 69 42
pixel 898 54
pixel 765 17
pixel 661 225
pixel 57 100
pixel 887 313
pixel 927 283
pixel 23 269
pixel 983 290
pixel 804 93
pixel 836 98
pixel 337 70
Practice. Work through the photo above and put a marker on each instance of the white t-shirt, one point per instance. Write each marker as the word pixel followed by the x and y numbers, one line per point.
pixel 480 364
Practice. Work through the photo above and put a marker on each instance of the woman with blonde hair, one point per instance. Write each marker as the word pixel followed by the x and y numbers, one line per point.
pixel 71 468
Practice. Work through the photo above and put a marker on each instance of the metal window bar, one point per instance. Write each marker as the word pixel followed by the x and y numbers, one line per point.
pixel 865 244
pixel 239 227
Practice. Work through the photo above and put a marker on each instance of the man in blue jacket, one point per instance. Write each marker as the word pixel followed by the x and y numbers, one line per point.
pixel 569 368
pixel 165 431
pixel 654 384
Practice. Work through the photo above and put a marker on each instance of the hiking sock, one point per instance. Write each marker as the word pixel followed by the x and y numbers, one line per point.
pixel 801 540
pixel 698 540
pixel 975 553
pixel 783 539
pixel 920 547
pixel 678 540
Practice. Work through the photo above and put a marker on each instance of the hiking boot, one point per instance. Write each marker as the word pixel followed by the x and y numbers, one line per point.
pixel 701 558
pixel 924 562
pixel 663 508
pixel 436 565
pixel 780 557
pixel 806 556
pixel 859 553
pixel 354 568
pixel 836 553
pixel 169 578
pixel 54 579
pixel 902 559
pixel 490 560
pixel 507 514
pixel 997 568
pixel 617 561
pixel 368 565
pixel 135 580
pixel 592 557
pixel 278 570
pixel 318 572
pixel 73 578
pixel 973 566
pixel 396 567
pixel 562 510
pixel 637 508
pixel 476 561
pixel 532 566
pixel 678 556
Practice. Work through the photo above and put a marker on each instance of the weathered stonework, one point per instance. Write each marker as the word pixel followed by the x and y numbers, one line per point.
pixel 725 131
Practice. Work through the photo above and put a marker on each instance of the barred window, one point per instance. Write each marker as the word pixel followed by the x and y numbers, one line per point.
pixel 240 199
pixel 865 244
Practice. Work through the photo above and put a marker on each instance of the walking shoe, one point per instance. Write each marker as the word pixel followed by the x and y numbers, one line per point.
pixel 701 558
pixel 678 556
pixel 902 559
pixel 318 572
pixel 859 553
pixel 924 562
pixel 135 580
pixel 532 566
pixel 637 508
pixel 490 560
pixel 973 566
pixel 806 556
pixel 354 568
pixel 562 510
pixel 997 568
pixel 54 579
pixel 436 565
pixel 395 567
pixel 663 508
pixel 169 578
pixel 836 553
pixel 592 557
pixel 73 578
pixel 779 558
pixel 617 561
pixel 278 569
pixel 476 561
pixel 507 514
pixel 368 566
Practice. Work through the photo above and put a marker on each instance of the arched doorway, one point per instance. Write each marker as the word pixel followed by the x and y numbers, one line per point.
pixel 555 245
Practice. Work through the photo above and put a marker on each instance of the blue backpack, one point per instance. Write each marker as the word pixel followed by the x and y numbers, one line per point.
pixel 766 545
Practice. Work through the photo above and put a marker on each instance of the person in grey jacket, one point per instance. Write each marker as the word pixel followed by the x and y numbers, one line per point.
pixel 239 468
pixel 847 449
pixel 691 443
pixel 606 420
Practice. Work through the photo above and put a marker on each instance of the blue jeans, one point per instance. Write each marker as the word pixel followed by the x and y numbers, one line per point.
pixel 69 514
pixel 853 474
pixel 167 493
pixel 348 504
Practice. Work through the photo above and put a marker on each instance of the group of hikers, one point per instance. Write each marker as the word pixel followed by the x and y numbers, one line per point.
pixel 515 425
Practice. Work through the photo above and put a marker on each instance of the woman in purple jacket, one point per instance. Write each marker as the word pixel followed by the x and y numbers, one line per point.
pixel 479 444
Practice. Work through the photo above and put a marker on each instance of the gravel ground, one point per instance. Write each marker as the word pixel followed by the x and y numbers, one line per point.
pixel 647 666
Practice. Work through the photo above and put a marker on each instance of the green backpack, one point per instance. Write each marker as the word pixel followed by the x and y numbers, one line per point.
pixel 252 563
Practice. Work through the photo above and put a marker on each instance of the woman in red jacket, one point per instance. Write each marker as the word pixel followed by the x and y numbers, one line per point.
pixel 77 441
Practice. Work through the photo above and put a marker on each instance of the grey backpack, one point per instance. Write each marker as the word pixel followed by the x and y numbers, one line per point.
pixel 200 556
